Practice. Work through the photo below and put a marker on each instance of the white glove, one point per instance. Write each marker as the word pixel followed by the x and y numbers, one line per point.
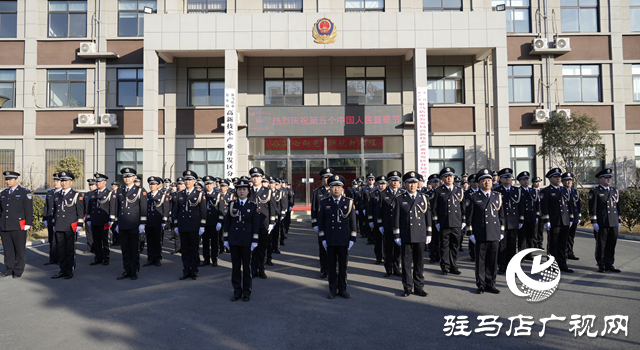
pixel 253 246
pixel 519 226
pixel 350 245
pixel 570 223
pixel 364 212
pixel 398 241
pixel 270 228
pixel 371 224
pixel 27 227
pixel 596 227
pixel 324 244
pixel 381 229
pixel 428 239
pixel 315 228
pixel 46 224
pixel 118 230
pixel 78 229
pixel 171 220
pixel 218 226
pixel 290 208
pixel 619 225
pixel 547 226
pixel 200 231
pixel 141 228
pixel 282 218
pixel 54 229
pixel 536 220
pixel 472 238
pixel 501 236
pixel 89 223
pixel 174 230
pixel 163 225
pixel 226 245
pixel 438 227
pixel 357 212
pixel 463 226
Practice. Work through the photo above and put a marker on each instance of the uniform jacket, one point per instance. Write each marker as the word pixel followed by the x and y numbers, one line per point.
pixel 132 208
pixel 291 197
pixel 282 202
pixel 16 209
pixel 531 200
pixel 604 206
pixel 69 211
pixel 337 222
pixel 577 206
pixel 101 208
pixel 386 210
pixel 413 218
pixel 266 202
pixel 47 211
pixel 189 211
pixel 372 212
pixel 513 206
pixel 556 206
pixel 448 207
pixel 485 216
pixel 158 208
pixel 223 204
pixel 213 201
pixel 319 194
pixel 241 223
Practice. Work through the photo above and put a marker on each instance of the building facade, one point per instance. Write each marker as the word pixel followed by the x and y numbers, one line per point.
pixel 221 86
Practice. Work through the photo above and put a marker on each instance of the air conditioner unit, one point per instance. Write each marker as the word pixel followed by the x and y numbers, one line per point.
pixel 87 47
pixel 540 116
pixel 562 44
pixel 86 120
pixel 108 119
pixel 539 44
pixel 563 113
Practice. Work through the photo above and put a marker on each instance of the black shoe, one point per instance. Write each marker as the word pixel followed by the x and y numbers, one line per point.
pixel 406 293
pixel 431 261
pixel 344 294
pixel 369 243
pixel 281 243
pixel 378 262
pixel 398 273
pixel 444 272
pixel 51 263
pixel 461 249
pixel 194 276
pixel 105 263
pixel 270 263
pixel 235 297
pixel 254 275
pixel 573 257
pixel 149 263
pixel 183 277
pixel 17 276
pixel 4 274
pixel 454 270
pixel 492 289
pixel 420 292
pixel 387 274
pixel 566 269
pixel 473 258
pixel 134 276
pixel 277 251
pixel 263 275
pixel 95 262
pixel 246 298
pixel 501 271
pixel 205 263
pixel 480 290
pixel 221 251
pixel 612 269
pixel 158 263
pixel 601 268
pixel 215 263
pixel 115 245
pixel 323 275
pixel 68 276
pixel 57 275
pixel 175 252
pixel 123 276
pixel 331 295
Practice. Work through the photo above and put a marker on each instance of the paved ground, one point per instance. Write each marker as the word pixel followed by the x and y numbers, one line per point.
pixel 289 310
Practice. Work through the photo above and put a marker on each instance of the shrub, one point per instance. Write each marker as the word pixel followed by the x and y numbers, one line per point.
pixel 630 208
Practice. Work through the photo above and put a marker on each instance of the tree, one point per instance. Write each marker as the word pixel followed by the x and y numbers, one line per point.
pixel 72 165
pixel 571 144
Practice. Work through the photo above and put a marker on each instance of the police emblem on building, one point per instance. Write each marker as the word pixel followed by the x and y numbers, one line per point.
pixel 324 31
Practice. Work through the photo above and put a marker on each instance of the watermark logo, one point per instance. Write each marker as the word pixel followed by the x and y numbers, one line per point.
pixel 548 276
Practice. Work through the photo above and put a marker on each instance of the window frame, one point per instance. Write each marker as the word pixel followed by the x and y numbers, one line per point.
pixel 444 159
pixel 13 96
pixel 207 162
pixel 584 178
pixel 442 7
pixel 202 80
pixel 139 86
pixel 635 76
pixel 365 8
pixel 138 152
pixel 207 9
pixel 283 9
pixel 68 82
pixel 512 77
pixel 510 10
pixel 52 156
pixel 7 160
pixel 637 164
pixel 137 11
pixel 444 78
pixel 68 12
pixel 15 13
pixel 366 79
pixel 514 158
pixel 284 79
pixel 579 8
pixel 634 7
pixel 582 76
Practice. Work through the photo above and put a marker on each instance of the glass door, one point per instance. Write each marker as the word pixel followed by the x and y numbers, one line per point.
pixel 305 178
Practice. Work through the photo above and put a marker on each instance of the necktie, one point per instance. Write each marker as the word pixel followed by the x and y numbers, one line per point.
pixel 10 191
pixel 126 189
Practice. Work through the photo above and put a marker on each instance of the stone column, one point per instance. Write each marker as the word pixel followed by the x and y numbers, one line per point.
pixel 151 163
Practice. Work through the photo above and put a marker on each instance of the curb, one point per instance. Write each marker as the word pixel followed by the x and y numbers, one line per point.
pixel 620 236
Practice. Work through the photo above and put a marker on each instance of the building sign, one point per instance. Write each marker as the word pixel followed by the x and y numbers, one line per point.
pixel 317 143
pixel 324 120
pixel 230 132
pixel 422 130
pixel 324 31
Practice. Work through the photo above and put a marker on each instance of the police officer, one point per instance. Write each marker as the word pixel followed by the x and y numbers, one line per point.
pixel 513 218
pixel 157 216
pixel 115 236
pixel 265 200
pixel 448 207
pixel 47 218
pixel 485 219
pixel 538 236
pixel 167 185
pixel 364 203
pixel 280 200
pixel 241 232
pixel 130 222
pixel 556 208
pixel 412 230
pixel 373 215
pixel 210 243
pixel 385 221
pixel 574 196
pixel 101 208
pixel 434 247
pixel 16 218
pixel 337 234
pixel 190 217
pixel 176 237
pixel 531 212
pixel 68 221
pixel 604 210
pixel 287 219
pixel 226 197
pixel 87 210
pixel 473 188
pixel 318 195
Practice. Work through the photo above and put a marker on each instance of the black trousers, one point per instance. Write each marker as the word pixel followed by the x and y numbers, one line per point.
pixel 337 255
pixel 322 254
pixel 486 263
pixel 378 239
pixel 15 251
pixel 176 240
pixel 143 237
pixel 570 239
pixel 88 231
pixel 283 231
pixel 53 244
pixel 220 241
pixel 525 235
pixel 391 252
pixel 210 244
pixel 100 242
pixel 130 245
pixel 274 240
pixel 287 222
pixel 508 247
pixel 606 240
pixel 412 254
pixel 190 252
pixel 365 229
pixel 538 235
pixel 154 243
pixel 241 280
pixel 450 240
pixel 116 235
pixel 66 251
pixel 434 246
pixel 558 237
pixel 259 254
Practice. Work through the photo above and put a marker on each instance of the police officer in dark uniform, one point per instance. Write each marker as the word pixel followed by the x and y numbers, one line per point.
pixel 604 210
pixel 210 243
pixel 190 217
pixel 280 199
pixel 101 214
pixel 434 247
pixel 157 216
pixel 318 195
pixel 265 200
pixel 538 236
pixel 412 230
pixel 291 197
pixel 448 208
pixel 556 208
pixel 485 219
pixel 47 218
pixel 16 218
pixel 473 188
pixel 364 203
pixel 337 234
pixel 115 241
pixel 385 221
pixel 574 196
pixel 373 216
pixel 531 212
pixel 513 218
pixel 130 222
pixel 68 221
pixel 87 202
pixel 226 196
pixel 240 232
pixel 176 237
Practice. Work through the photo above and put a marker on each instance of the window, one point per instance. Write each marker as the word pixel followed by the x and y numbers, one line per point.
pixel 53 156
pixel 594 166
pixel 283 87
pixel 581 83
pixel 67 87
pixel 8 19
pixel 364 5
pixel 523 158
pixel 282 5
pixel 634 14
pixel 637 164
pixel 131 16
pixel 204 6
pixel 67 19
pixel 206 86
pixel 8 159
pixel 517 13
pixel 206 161
pixel 8 87
pixel 579 15
pixel 365 85
pixel 520 83
pixel 128 158
pixel 444 84
pixel 635 72
pixel 130 90
pixel 439 157
pixel 442 5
